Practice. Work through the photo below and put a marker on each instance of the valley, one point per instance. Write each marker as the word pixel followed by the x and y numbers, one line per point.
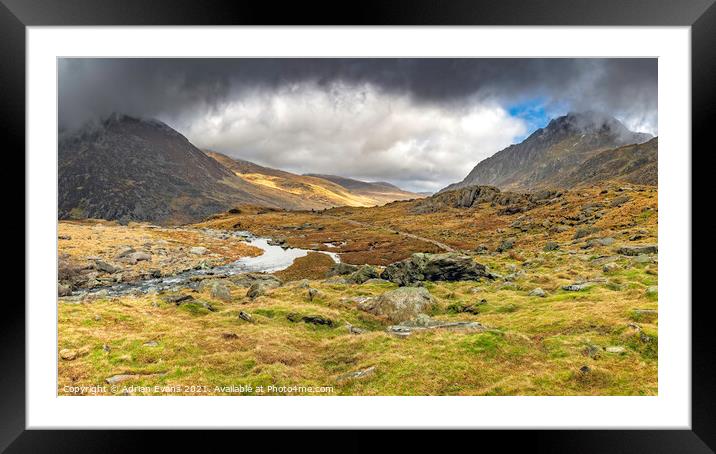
pixel 187 271
pixel 549 292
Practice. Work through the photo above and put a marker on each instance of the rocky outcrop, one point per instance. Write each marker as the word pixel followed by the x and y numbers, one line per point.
pixel 400 305
pixel 420 267
pixel 472 196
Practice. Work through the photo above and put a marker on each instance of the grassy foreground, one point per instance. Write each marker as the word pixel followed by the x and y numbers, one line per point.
pixel 594 341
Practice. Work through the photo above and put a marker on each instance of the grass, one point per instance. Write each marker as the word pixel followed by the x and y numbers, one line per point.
pixel 535 345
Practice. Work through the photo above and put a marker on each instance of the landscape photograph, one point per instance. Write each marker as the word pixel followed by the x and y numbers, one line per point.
pixel 357 227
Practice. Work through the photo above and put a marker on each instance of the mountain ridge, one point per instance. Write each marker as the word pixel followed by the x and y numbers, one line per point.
pixel 549 153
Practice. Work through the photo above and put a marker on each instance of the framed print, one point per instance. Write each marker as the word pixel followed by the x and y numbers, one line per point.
pixel 428 218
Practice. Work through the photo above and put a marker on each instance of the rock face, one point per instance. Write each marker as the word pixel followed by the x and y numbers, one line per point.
pixel 400 305
pixel 127 168
pixel 435 267
pixel 549 156
pixel 472 196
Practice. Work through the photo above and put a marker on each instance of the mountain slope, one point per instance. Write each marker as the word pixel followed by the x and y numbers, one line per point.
pixel 380 191
pixel 133 169
pixel 636 163
pixel 549 153
pixel 317 191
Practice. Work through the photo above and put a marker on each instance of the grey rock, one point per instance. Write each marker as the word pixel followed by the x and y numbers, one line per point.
pixel 634 251
pixel 63 290
pixel 198 250
pixel 178 299
pixel 138 256
pixel 642 258
pixel 551 246
pixel 245 316
pixel 363 274
pixel 124 252
pixel 575 287
pixel 217 289
pixel 481 249
pixel 357 374
pixel 259 288
pixel 342 269
pixel 404 330
pixel 537 292
pixel 105 267
pixel 312 293
pixel 619 201
pixel 434 267
pixel 585 231
pixel 114 379
pixel 401 304
pixel 610 267
pixel 615 349
pixel 506 245
pixel 310 319
pixel 354 329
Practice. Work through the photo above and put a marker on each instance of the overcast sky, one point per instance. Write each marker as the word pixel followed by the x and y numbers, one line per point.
pixel 418 123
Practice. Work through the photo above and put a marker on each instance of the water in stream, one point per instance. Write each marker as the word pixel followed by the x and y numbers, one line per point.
pixel 274 258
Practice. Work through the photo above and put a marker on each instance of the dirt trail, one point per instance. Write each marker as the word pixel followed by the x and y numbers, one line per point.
pixel 442 246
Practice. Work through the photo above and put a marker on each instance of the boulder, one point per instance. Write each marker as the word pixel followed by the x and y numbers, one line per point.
pixel 634 251
pixel 505 245
pixel 450 266
pixel 105 267
pixel 619 201
pixel 310 319
pixel 400 305
pixel 259 288
pixel 217 289
pixel 537 292
pixel 610 267
pixel 363 274
pixel 575 287
pixel 342 269
pixel 198 250
pixel 551 246
pixel 63 290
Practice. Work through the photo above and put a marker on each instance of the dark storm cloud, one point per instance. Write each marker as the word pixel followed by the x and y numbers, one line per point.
pixel 91 88
pixel 421 123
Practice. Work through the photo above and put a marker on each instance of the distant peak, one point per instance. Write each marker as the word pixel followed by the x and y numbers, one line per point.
pixel 587 121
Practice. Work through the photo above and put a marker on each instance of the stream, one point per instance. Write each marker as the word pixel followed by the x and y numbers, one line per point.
pixel 274 258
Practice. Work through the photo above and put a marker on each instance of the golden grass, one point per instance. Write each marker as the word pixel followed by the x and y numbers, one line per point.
pixel 536 346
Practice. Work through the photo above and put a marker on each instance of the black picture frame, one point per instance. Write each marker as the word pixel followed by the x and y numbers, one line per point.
pixel 700 15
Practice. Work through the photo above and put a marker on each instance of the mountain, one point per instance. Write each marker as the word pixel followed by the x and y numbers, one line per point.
pixel 317 191
pixel 636 163
pixel 379 191
pixel 127 168
pixel 131 169
pixel 551 153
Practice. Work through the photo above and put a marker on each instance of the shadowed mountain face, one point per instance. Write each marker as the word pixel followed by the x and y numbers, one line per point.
pixel 636 163
pixel 552 153
pixel 131 169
